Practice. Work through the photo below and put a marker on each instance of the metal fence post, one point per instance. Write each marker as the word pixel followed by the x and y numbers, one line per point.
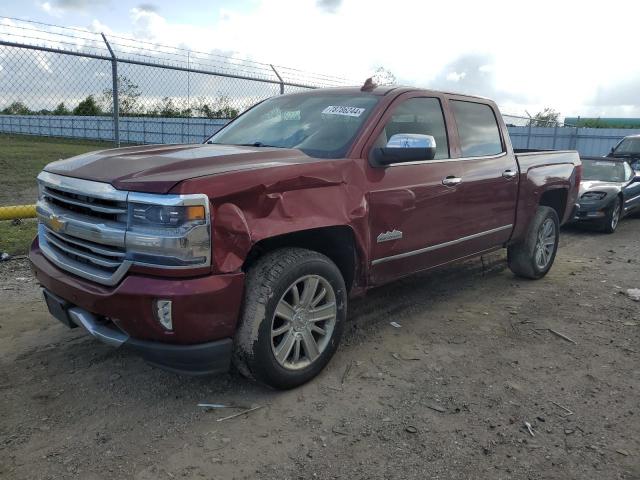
pixel 116 109
pixel 529 133
pixel 555 136
pixel 279 78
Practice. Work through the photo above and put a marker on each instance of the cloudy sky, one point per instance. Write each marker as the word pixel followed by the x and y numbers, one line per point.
pixel 580 58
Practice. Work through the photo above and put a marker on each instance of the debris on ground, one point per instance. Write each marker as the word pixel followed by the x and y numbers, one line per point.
pixel 239 413
pixel 4 256
pixel 529 428
pixel 346 373
pixel 437 408
pixel 219 405
pixel 634 294
pixel 395 324
pixel 411 429
pixel 562 336
pixel 569 412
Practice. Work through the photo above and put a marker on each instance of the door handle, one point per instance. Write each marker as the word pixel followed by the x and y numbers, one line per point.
pixel 509 174
pixel 451 181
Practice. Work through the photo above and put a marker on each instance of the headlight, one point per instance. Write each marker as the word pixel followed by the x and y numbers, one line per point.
pixel 594 195
pixel 168 230
pixel 177 217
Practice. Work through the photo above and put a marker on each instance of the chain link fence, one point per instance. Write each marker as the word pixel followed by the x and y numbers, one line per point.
pixel 66 91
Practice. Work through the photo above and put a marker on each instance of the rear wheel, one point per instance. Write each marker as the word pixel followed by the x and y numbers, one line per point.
pixel 534 256
pixel 293 316
pixel 612 219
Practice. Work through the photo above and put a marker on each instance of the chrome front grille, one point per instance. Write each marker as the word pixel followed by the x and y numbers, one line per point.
pixel 82 227
pixel 106 209
pixel 87 252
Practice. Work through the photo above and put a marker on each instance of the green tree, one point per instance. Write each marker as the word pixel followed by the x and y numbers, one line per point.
pixel 128 97
pixel 382 76
pixel 16 108
pixel 546 118
pixel 168 107
pixel 88 106
pixel 61 109
pixel 221 108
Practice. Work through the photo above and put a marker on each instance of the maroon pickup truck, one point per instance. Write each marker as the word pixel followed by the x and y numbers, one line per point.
pixel 245 249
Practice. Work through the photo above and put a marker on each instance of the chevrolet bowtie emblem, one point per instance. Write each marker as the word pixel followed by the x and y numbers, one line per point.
pixel 55 223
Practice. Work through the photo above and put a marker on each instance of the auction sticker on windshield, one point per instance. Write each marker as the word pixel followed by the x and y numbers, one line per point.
pixel 341 110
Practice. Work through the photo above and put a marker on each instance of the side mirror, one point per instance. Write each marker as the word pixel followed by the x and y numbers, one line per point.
pixel 636 176
pixel 405 147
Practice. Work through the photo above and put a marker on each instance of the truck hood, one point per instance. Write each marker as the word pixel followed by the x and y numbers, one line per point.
pixel 157 168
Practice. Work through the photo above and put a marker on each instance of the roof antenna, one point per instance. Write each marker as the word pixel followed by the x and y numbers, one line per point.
pixel 369 85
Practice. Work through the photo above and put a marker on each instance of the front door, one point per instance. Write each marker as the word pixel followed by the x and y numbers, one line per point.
pixel 416 209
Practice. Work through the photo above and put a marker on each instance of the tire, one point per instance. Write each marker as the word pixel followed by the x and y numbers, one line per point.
pixel 525 258
pixel 614 215
pixel 289 359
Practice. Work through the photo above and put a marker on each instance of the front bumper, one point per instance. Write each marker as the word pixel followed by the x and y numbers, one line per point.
pixel 590 212
pixel 205 313
pixel 201 359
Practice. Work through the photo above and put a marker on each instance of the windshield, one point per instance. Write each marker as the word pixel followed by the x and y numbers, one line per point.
pixel 603 171
pixel 321 125
pixel 628 147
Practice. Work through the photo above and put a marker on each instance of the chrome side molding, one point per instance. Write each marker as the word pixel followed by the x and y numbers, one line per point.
pixel 439 245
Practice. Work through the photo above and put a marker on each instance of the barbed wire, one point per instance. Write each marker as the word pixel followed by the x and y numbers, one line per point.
pixel 50 35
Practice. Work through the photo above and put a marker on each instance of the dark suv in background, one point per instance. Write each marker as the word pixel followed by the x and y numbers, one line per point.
pixel 629 149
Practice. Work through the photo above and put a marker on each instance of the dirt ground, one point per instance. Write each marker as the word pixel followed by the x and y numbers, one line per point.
pixel 446 395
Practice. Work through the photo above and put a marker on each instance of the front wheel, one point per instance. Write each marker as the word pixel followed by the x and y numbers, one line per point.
pixel 612 218
pixel 534 255
pixel 293 315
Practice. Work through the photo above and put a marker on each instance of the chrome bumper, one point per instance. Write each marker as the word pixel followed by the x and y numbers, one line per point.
pixel 90 322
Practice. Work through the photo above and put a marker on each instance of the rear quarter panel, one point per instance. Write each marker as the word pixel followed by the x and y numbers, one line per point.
pixel 541 172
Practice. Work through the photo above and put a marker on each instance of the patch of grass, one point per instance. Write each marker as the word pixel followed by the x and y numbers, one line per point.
pixel 22 157
pixel 15 238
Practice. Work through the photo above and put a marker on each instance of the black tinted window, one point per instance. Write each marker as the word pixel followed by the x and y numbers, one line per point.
pixel 477 128
pixel 418 115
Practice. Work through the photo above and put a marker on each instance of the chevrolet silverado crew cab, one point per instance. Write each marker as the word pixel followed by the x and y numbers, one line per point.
pixel 246 249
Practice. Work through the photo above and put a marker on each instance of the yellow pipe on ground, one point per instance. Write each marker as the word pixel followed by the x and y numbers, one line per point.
pixel 17 211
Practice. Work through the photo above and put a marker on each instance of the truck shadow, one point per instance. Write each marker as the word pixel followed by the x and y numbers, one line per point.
pixel 75 355
pixel 418 292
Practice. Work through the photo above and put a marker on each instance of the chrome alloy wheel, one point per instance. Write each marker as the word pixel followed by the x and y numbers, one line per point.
pixel 545 243
pixel 615 215
pixel 303 322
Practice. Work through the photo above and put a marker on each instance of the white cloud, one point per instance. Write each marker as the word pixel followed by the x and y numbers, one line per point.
pixel 50 9
pixel 455 76
pixel 559 54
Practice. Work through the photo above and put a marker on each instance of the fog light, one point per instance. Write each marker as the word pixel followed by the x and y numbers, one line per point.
pixel 163 313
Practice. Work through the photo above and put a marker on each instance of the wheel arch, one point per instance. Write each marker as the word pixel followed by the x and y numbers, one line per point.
pixel 337 242
pixel 555 198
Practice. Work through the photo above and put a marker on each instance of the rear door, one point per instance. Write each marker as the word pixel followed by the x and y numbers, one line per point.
pixel 489 184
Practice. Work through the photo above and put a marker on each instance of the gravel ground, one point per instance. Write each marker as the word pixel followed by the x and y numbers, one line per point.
pixel 446 395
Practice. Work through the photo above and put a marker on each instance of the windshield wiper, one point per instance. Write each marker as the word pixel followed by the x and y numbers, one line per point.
pixel 256 144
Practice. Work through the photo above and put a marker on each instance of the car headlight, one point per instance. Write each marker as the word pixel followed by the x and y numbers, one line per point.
pixel 594 195
pixel 168 230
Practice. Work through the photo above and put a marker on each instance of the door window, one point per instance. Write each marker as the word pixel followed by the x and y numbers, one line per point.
pixel 418 115
pixel 477 128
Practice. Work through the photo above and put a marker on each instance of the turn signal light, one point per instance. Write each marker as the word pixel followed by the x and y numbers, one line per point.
pixel 162 312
